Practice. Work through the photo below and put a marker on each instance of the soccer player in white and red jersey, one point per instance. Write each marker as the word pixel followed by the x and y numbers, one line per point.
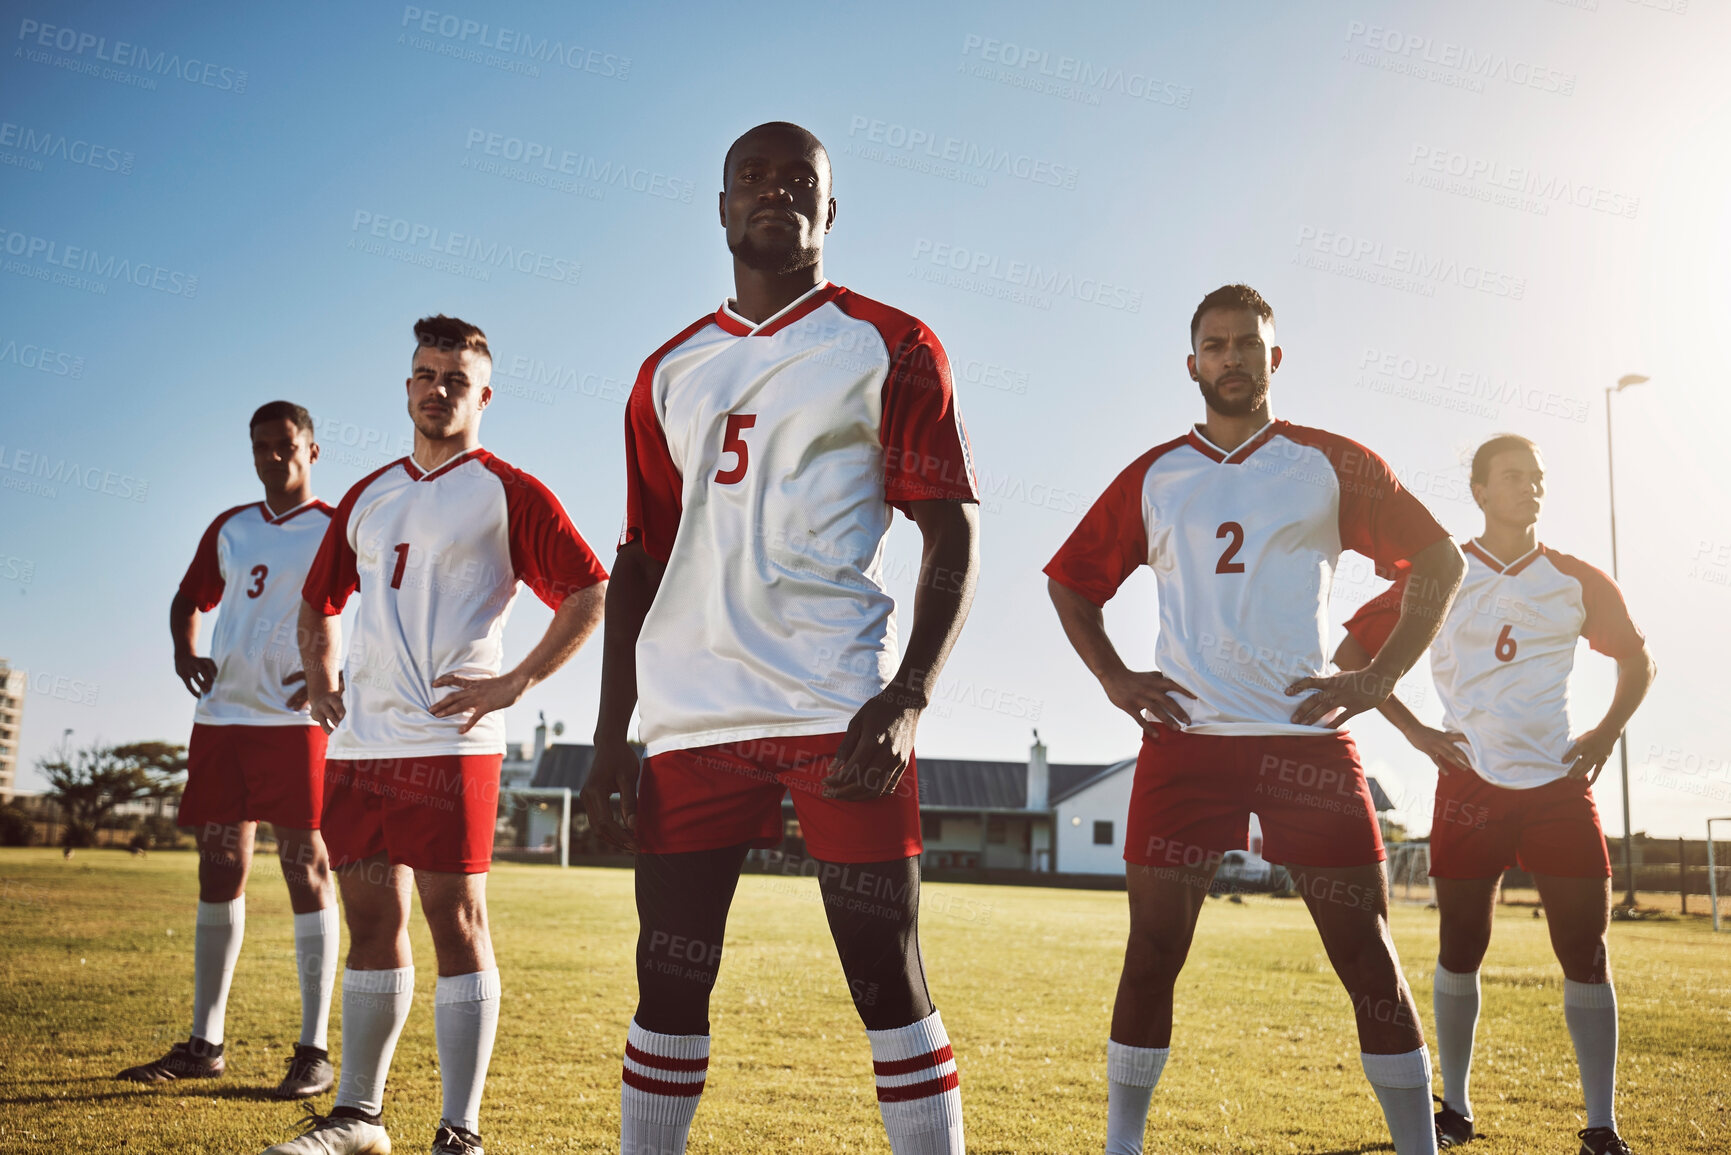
pixel 767 446
pixel 256 754
pixel 1515 782
pixel 1243 519
pixel 436 543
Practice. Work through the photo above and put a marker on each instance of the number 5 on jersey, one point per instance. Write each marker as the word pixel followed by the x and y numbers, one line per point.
pixel 732 442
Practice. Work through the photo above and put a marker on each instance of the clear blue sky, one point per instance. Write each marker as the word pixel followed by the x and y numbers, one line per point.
pixel 1470 218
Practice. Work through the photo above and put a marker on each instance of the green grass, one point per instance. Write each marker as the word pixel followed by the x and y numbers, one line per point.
pixel 95 974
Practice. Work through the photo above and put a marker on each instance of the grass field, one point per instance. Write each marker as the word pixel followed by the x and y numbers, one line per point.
pixel 95 974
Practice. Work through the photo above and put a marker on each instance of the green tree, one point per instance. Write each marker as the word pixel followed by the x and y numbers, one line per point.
pixel 88 784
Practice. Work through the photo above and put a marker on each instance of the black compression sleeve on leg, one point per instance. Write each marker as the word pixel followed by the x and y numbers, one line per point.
pixel 873 910
pixel 682 902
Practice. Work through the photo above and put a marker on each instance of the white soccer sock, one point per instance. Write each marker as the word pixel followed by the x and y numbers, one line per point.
pixel 316 941
pixel 215 947
pixel 375 1007
pixel 465 1020
pixel 1455 996
pixel 1590 1009
pixel 919 1095
pixel 1131 1074
pixel 1402 1086
pixel 659 1089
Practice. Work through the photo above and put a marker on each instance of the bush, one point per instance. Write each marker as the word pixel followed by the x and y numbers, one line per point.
pixel 16 827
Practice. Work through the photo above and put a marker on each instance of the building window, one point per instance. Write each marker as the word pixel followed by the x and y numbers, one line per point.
pixel 1102 834
pixel 932 827
pixel 996 829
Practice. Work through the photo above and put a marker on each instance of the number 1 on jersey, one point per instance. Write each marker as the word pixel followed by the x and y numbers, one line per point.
pixel 402 551
pixel 732 442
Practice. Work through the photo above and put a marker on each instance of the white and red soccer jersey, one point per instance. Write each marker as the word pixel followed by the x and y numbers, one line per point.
pixel 1502 660
pixel 252 563
pixel 1244 547
pixel 437 557
pixel 762 462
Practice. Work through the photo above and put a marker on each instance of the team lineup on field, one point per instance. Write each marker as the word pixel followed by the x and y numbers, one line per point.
pixel 744 623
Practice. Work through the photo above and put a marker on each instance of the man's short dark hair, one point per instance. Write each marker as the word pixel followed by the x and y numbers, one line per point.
pixel 1486 453
pixel 1230 297
pixel 784 127
pixel 281 411
pixel 450 333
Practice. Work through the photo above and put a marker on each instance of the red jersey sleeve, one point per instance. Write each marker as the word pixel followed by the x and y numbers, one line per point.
pixel 547 553
pixel 1112 539
pixel 653 486
pixel 204 583
pixel 1379 517
pixel 333 576
pixel 1375 619
pixel 926 452
pixel 1608 627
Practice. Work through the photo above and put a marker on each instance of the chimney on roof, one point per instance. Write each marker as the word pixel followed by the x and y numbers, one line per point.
pixel 540 736
pixel 1039 777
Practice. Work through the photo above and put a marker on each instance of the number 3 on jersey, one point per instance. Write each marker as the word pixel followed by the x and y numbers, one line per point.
pixel 732 442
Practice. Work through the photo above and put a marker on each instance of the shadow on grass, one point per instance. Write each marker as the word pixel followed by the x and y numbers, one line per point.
pixel 125 1090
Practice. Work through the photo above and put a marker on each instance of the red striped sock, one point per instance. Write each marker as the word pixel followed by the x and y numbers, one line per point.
pixel 918 1092
pixel 659 1089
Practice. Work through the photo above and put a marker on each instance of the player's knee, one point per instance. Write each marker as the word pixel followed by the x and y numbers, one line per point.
pixel 1154 959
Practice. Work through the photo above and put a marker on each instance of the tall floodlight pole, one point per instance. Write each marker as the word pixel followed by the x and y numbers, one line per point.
pixel 1623 738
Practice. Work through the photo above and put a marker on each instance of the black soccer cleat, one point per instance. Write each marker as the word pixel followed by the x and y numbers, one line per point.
pixel 193 1059
pixel 1452 1128
pixel 1602 1141
pixel 451 1140
pixel 309 1073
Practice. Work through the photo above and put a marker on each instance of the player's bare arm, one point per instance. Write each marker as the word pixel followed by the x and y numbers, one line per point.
pixel 874 752
pixel 199 674
pixel 1446 748
pixel 630 593
pixel 1139 693
pixel 1587 754
pixel 1436 574
pixel 319 643
pixel 573 623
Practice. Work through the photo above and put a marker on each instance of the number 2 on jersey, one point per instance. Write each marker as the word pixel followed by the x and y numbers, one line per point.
pixel 1506 644
pixel 1234 531
pixel 732 442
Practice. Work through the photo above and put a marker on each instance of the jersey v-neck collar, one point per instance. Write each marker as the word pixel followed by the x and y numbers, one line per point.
pixel 1238 456
pixel 1514 567
pixel 278 518
pixel 738 326
pixel 416 473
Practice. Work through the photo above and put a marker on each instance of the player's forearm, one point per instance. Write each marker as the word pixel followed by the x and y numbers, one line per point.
pixel 949 572
pixel 183 625
pixel 1635 676
pixel 1085 625
pixel 573 623
pixel 630 593
pixel 317 635
pixel 1436 573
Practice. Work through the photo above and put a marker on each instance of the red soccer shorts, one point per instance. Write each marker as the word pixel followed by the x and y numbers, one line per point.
pixel 433 812
pixel 715 796
pixel 271 774
pixel 1193 795
pixel 1479 829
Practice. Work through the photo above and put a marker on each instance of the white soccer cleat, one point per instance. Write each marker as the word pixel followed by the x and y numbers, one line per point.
pixel 336 1135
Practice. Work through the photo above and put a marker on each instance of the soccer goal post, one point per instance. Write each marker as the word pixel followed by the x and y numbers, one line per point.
pixel 534 825
pixel 1713 872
